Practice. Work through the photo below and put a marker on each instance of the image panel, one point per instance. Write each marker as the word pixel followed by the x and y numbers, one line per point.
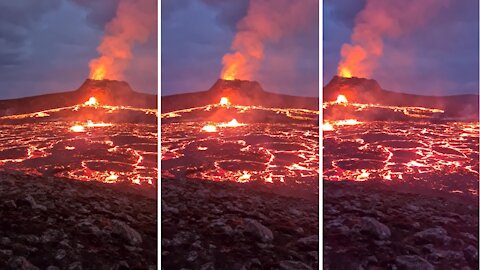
pixel 400 134
pixel 240 134
pixel 78 135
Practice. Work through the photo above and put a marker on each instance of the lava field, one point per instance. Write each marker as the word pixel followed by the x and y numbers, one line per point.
pixel 88 141
pixel 224 142
pixel 438 155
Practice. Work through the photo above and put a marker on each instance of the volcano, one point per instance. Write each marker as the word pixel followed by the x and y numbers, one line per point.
pixel 107 92
pixel 240 92
pixel 368 91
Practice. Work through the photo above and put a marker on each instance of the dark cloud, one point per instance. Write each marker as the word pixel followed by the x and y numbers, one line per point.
pixel 99 12
pixel 440 57
pixel 45 46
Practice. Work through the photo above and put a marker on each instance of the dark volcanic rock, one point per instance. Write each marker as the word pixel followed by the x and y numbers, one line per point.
pixel 412 262
pixel 82 225
pixel 403 228
pixel 233 226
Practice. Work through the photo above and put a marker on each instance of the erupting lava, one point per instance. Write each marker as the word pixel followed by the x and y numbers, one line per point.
pixel 92 101
pixel 341 99
pixel 209 128
pixel 224 101
pixel 345 72
pixel 77 128
pixel 98 72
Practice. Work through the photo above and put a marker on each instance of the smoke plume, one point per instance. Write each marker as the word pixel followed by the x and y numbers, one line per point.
pixel 266 21
pixel 132 24
pixel 379 20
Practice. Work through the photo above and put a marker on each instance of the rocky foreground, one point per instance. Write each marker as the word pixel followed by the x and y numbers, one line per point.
pixel 371 226
pixel 208 225
pixel 51 223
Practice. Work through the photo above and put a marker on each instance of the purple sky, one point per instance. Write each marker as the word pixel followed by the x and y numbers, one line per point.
pixel 46 46
pixel 439 58
pixel 197 33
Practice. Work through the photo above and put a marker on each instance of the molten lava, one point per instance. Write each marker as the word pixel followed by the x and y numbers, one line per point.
pixel 77 128
pixel 98 72
pixel 224 101
pixel 92 101
pixel 345 72
pixel 209 128
pixel 341 99
pixel 233 123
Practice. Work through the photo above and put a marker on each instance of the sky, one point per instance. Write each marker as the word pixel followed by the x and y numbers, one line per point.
pixel 440 57
pixel 196 34
pixel 45 46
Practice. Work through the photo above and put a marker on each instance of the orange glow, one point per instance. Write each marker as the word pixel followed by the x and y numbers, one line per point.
pixel 98 72
pixel 233 123
pixel 92 101
pixel 245 177
pixel 347 122
pixel 111 178
pixel 341 99
pixel 90 123
pixel 327 127
pixel 345 72
pixel 231 65
pixel 224 101
pixel 77 128
pixel 209 128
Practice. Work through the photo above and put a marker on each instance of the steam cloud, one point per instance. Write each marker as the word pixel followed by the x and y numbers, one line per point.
pixel 132 24
pixel 381 19
pixel 266 21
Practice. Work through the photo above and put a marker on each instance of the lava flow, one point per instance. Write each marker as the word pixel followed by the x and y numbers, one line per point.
pixel 242 144
pixel 75 142
pixel 415 150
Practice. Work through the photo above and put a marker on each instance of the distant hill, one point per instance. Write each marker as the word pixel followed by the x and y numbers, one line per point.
pixel 239 92
pixel 361 90
pixel 107 92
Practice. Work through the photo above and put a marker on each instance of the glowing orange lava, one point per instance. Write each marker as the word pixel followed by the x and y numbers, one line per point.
pixel 224 101
pixel 92 101
pixel 77 128
pixel 98 73
pixel 341 99
pixel 209 128
pixel 233 123
pixel 327 127
pixel 345 72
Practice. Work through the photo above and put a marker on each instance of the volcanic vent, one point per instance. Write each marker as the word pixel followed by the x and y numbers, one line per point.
pixel 107 92
pixel 368 91
pixel 241 92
